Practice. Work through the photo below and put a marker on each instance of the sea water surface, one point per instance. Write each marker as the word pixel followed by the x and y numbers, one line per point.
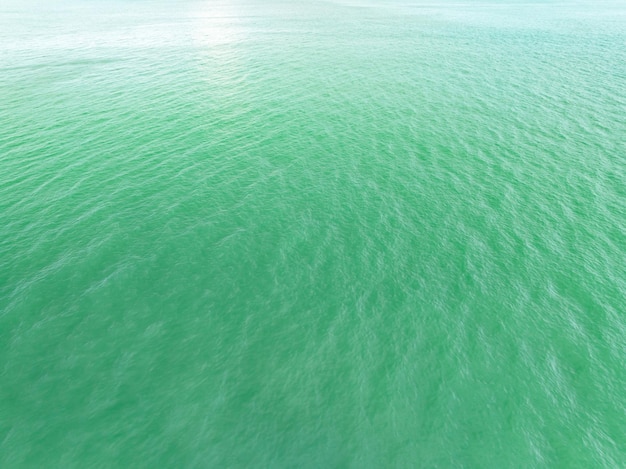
pixel 359 234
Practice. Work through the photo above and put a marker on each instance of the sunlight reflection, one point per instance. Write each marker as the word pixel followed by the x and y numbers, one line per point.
pixel 216 25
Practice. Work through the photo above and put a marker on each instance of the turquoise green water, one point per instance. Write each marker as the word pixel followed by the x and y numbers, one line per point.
pixel 312 234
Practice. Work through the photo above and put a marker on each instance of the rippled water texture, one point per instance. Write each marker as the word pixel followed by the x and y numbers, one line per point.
pixel 312 234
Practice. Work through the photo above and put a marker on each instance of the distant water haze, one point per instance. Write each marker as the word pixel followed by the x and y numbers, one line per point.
pixel 312 234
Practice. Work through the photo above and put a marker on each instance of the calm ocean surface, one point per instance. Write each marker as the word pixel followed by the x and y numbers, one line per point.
pixel 347 234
